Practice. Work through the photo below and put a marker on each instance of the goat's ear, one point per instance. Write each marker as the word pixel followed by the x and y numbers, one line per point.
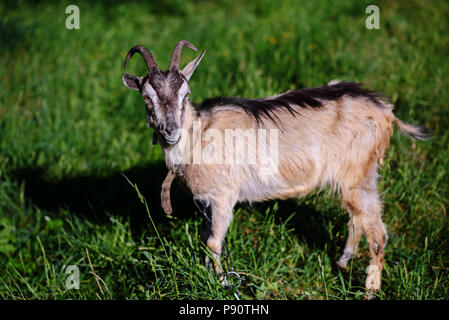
pixel 191 66
pixel 131 81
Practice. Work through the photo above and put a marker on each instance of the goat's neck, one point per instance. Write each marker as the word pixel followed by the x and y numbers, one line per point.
pixel 177 156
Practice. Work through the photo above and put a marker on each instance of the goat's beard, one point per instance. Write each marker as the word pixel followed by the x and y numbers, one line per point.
pixel 172 142
pixel 160 138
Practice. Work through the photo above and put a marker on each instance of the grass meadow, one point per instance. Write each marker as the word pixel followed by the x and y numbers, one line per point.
pixel 71 135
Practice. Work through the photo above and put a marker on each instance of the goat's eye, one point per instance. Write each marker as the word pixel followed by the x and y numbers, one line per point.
pixel 146 97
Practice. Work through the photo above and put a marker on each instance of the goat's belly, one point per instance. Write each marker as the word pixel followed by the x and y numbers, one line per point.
pixel 274 188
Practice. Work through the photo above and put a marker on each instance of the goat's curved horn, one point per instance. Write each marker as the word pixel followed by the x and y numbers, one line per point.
pixel 174 62
pixel 146 54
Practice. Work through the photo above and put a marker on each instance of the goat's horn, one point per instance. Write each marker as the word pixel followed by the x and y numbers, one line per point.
pixel 147 56
pixel 174 62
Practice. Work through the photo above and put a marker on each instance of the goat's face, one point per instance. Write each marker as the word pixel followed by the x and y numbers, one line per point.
pixel 165 92
pixel 165 95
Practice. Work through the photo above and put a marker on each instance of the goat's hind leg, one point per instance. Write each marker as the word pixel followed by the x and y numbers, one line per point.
pixel 376 236
pixel 365 209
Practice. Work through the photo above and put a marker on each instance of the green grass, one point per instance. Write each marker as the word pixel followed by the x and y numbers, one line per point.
pixel 69 129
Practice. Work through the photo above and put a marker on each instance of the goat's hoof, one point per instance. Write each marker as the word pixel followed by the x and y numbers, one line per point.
pixel 343 261
pixel 208 264
pixel 342 264
pixel 223 280
pixel 373 278
pixel 370 295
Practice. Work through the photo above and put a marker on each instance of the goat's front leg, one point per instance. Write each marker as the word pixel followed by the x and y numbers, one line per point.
pixel 221 219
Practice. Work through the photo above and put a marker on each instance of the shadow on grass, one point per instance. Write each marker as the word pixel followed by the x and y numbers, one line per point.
pixel 313 228
pixel 309 224
pixel 98 198
pixel 158 7
pixel 12 34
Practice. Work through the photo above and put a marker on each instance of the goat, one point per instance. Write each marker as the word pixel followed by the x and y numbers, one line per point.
pixel 335 135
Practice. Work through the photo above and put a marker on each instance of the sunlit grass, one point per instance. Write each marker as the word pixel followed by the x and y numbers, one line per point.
pixel 69 128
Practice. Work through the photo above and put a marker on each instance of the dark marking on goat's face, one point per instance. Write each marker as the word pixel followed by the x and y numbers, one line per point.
pixel 165 94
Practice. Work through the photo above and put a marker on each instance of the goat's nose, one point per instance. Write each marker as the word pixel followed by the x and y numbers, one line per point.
pixel 171 127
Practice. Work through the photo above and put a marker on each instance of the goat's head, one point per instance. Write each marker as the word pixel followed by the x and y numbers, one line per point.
pixel 165 92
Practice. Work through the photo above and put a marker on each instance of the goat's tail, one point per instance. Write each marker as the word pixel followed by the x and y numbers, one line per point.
pixel 414 131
